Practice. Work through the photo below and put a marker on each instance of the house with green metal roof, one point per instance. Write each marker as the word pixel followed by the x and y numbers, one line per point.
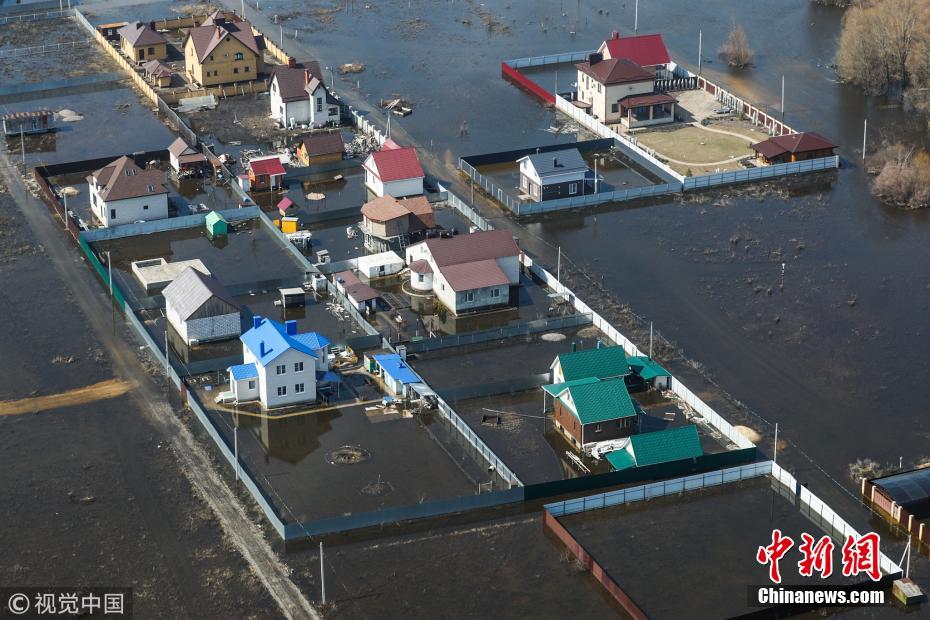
pixel 650 372
pixel 590 410
pixel 667 446
pixel 600 362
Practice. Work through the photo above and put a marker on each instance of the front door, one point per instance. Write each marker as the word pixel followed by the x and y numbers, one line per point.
pixel 141 54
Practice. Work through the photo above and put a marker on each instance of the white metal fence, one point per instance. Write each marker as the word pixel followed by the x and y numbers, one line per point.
pixel 659 489
pixel 469 213
pixel 743 175
pixel 462 427
pixel 576 202
pixel 36 16
pixel 43 49
pixel 551 59
pixel 366 127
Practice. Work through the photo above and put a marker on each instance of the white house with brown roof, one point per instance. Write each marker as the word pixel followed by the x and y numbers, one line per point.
pixel 617 90
pixel 469 272
pixel 394 171
pixel 122 193
pixel 222 50
pixel 299 96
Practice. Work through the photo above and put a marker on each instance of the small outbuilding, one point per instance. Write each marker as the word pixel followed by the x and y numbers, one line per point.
pixel 650 372
pixel 665 446
pixel 793 147
pixel 266 173
pixel 553 175
pixel 158 72
pixel 902 498
pixel 395 373
pixel 200 309
pixel 216 224
pixel 110 31
pixel 32 121
pixel 320 148
pixel 184 157
pixel 362 297
pixel 380 265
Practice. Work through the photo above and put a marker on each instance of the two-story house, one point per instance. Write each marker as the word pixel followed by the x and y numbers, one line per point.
pixel 619 91
pixel 280 365
pixel 390 223
pixel 223 50
pixel 122 193
pixel 141 42
pixel 299 96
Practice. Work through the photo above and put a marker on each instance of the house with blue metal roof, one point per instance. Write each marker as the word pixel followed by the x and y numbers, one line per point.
pixel 555 174
pixel 395 372
pixel 280 366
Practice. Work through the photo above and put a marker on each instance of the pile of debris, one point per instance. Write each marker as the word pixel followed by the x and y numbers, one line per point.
pixel 398 106
pixel 351 67
pixel 361 146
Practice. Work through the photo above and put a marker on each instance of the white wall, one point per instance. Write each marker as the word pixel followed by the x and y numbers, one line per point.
pixel 602 100
pixel 510 265
pixel 269 380
pixel 372 181
pixel 129 210
pixel 302 111
pixel 242 391
pixel 406 187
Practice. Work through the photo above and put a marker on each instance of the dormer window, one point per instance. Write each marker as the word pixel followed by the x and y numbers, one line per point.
pixel 239 56
pixel 151 188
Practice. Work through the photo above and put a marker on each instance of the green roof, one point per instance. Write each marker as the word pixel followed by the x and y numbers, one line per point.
pixel 601 363
pixel 557 388
pixel 673 444
pixel 647 368
pixel 601 401
pixel 214 217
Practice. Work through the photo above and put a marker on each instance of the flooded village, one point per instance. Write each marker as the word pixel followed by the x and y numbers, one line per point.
pixel 456 309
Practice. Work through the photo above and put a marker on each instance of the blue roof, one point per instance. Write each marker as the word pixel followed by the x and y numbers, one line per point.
pixel 243 371
pixel 396 368
pixel 275 339
pixel 314 340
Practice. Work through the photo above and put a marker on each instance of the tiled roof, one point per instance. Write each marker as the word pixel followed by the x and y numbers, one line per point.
pixel 803 142
pixel 474 275
pixel 157 68
pixel 216 28
pixel 666 446
pixel 314 340
pixel 556 162
pixel 270 339
pixel 324 144
pixel 243 371
pixel 476 246
pixel 396 164
pixel 139 34
pixel 600 401
pixel 644 49
pixel 600 363
pixel 267 165
pixel 123 179
pixel 557 388
pixel 192 289
pixel 616 71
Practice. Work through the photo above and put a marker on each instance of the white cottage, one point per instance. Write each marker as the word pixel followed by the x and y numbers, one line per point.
pixel 467 272
pixel 394 171
pixel 122 193
pixel 279 366
pixel 299 96
pixel 618 90
pixel 200 309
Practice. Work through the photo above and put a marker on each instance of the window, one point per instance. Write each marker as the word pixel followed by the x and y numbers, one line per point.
pixel 112 214
pixel 442 286
pixel 614 108
pixel 572 189
pixel 469 296
pixel 235 69
pixel 597 428
pixel 151 51
pixel 298 366
pixel 420 277
pixel 246 68
pixel 495 292
pixel 151 188
pixel 211 58
pixel 319 104
pixel 282 390
pixel 598 87
pixel 251 384
pixel 145 207
pixel 298 388
pixel 280 369
pixel 239 56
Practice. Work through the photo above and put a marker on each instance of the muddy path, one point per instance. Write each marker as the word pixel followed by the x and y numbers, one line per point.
pixel 111 388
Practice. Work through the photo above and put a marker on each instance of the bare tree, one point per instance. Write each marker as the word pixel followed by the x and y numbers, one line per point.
pixel 736 51
pixel 904 179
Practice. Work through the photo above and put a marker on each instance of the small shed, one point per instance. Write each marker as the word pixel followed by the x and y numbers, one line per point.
pixel 321 148
pixel 650 372
pixel 380 265
pixel 793 147
pixel 185 157
pixel 216 224
pixel 294 297
pixel 359 294
pixel 200 309
pixel 158 72
pixel 266 173
pixel 32 121
pixel 285 204
pixel 395 372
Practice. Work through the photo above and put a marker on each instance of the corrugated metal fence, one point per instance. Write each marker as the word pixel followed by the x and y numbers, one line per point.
pixel 510 331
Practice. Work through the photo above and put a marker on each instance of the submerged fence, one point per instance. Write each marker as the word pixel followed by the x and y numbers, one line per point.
pixel 509 331
pixel 731 177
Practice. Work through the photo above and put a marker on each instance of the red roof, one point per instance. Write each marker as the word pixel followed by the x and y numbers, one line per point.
pixel 651 99
pixel 271 166
pixel 644 49
pixel 285 204
pixel 804 142
pixel 397 164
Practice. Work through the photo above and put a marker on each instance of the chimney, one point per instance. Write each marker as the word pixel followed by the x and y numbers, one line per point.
pixel 290 327
pixel 574 346
pixel 615 35
pixel 595 57
pixel 256 321
pixel 291 61
pixel 555 162
pixel 598 343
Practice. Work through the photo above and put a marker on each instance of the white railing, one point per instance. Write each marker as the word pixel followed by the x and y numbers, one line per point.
pixel 550 59
pixel 659 489
pixel 468 212
pixel 743 175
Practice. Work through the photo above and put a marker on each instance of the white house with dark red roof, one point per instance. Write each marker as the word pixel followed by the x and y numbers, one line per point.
pixel 299 96
pixel 394 171
pixel 646 50
pixel 122 193
pixel 618 90
pixel 467 272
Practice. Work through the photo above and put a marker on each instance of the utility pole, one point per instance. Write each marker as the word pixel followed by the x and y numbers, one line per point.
pixel 22 146
pixel 558 266
pixel 236 441
pixel 110 278
pixel 64 215
pixel 242 10
pixel 775 449
pixel 636 18
pixel 595 175
pixel 322 576
pixel 783 102
pixel 281 36
pixel 865 131
pixel 650 339
pixel 700 50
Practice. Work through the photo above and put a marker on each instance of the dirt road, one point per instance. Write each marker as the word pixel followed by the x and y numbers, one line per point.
pixel 111 388
pixel 150 400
